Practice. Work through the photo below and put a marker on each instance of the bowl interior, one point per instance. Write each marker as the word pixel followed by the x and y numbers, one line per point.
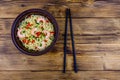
pixel 20 18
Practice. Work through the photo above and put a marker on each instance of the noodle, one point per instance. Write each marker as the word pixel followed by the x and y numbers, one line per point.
pixel 36 32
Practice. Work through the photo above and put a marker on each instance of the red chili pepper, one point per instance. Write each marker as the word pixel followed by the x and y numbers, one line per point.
pixel 28 25
pixel 52 32
pixel 38 34
pixel 27 41
pixel 33 41
pixel 45 40
pixel 24 40
pixel 47 21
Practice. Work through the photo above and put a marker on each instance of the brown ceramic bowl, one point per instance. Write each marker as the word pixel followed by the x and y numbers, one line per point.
pixel 20 18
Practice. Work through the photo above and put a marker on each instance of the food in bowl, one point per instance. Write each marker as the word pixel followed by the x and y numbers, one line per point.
pixel 35 32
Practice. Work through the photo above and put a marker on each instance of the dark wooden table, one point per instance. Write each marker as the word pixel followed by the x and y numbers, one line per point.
pixel 97 39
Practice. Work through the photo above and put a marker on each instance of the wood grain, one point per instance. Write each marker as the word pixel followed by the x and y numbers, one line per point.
pixel 57 75
pixel 46 1
pixel 86 31
pixel 97 9
pixel 8 47
pixel 91 35
pixel 96 25
pixel 14 60
pixel 96 58
pixel 112 62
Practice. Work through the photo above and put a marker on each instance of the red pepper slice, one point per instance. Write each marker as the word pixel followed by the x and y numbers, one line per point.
pixel 45 40
pixel 38 34
pixel 27 41
pixel 47 21
pixel 52 32
pixel 24 40
pixel 33 41
pixel 28 25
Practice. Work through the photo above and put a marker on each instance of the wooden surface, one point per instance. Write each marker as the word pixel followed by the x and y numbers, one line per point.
pixel 96 25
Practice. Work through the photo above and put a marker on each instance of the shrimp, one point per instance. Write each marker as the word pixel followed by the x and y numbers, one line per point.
pixel 41 19
pixel 47 34
pixel 43 46
pixel 33 31
pixel 19 33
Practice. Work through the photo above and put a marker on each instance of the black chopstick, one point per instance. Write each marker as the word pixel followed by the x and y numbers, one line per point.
pixel 68 15
pixel 73 47
pixel 65 41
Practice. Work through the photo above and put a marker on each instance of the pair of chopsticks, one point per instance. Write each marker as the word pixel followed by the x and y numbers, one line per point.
pixel 68 15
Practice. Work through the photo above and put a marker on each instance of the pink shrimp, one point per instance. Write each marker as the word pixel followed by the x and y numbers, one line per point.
pixel 47 33
pixel 19 33
pixel 43 45
pixel 33 31
pixel 41 19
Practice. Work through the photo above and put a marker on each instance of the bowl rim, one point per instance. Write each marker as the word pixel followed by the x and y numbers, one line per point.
pixel 25 13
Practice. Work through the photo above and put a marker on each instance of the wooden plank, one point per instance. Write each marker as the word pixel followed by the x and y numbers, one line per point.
pixel 43 1
pixel 97 42
pixel 112 62
pixel 112 39
pixel 8 47
pixel 18 61
pixel 16 8
pixel 90 62
pixel 86 31
pixel 58 75
pixel 83 35
pixel 96 33
pixel 87 26
pixel 115 1
pixel 96 59
pixel 93 49
pixel 98 9
pixel 14 60
pixel 52 1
